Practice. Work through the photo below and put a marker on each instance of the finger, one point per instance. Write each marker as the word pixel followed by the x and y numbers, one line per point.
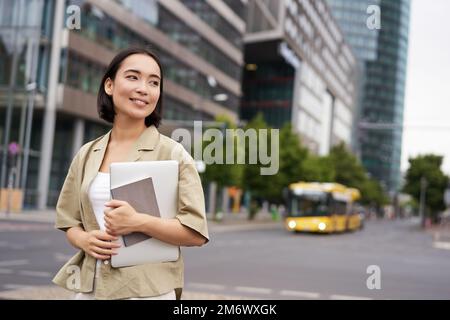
pixel 115 203
pixel 100 256
pixel 107 219
pixel 106 244
pixel 105 252
pixel 103 235
pixel 110 213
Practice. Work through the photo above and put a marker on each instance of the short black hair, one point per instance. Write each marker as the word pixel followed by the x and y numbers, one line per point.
pixel 105 106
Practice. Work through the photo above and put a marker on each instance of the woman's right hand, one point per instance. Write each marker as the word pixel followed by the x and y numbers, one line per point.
pixel 97 243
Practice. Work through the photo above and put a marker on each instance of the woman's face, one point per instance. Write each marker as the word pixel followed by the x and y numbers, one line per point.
pixel 136 88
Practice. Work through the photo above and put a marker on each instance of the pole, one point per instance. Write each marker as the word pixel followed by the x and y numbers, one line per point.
pixel 48 125
pixel 423 188
pixel 12 85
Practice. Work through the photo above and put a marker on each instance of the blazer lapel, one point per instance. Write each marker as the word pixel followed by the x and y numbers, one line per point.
pixel 147 141
pixel 92 167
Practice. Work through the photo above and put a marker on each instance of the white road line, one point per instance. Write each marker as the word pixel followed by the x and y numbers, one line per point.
pixel 254 290
pixel 441 245
pixel 15 286
pixel 210 286
pixel 30 273
pixel 344 297
pixel 8 263
pixel 6 271
pixel 300 294
pixel 60 257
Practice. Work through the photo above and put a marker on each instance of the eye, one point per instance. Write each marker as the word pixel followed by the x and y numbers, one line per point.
pixel 154 83
pixel 132 77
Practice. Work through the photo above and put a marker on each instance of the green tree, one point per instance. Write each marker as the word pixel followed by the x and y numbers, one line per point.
pixel 215 147
pixel 252 181
pixel 222 173
pixel 429 167
pixel 350 172
pixel 292 155
pixel 318 169
pixel 290 169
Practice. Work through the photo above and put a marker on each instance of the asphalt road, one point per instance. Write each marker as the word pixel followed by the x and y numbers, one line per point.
pixel 266 262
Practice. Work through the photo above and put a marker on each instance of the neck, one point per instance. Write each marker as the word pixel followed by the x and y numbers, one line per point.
pixel 126 131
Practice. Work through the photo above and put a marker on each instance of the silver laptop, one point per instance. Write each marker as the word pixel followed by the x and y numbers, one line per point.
pixel 150 187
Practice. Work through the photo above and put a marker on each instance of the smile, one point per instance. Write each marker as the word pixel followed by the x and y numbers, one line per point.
pixel 139 102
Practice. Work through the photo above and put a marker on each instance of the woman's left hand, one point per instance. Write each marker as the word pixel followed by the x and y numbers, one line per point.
pixel 121 219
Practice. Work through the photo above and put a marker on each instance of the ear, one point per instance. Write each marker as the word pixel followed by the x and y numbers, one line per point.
pixel 108 86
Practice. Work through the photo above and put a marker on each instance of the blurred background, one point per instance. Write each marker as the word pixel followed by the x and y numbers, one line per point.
pixel 357 88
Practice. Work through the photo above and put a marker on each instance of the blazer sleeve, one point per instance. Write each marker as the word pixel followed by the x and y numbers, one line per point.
pixel 191 200
pixel 68 213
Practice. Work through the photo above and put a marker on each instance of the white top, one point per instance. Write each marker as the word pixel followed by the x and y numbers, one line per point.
pixel 99 193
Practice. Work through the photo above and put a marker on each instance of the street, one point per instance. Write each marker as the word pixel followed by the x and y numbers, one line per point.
pixel 264 262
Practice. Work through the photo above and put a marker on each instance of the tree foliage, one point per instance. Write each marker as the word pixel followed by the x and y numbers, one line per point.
pixel 429 167
pixel 350 172
pixel 222 173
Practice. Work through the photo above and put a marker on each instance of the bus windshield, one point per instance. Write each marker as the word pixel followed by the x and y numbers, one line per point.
pixel 308 205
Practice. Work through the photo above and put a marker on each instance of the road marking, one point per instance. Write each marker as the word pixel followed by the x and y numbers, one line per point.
pixel 300 294
pixel 9 263
pixel 6 271
pixel 211 286
pixel 441 245
pixel 248 226
pixel 30 273
pixel 254 290
pixel 60 257
pixel 15 286
pixel 343 297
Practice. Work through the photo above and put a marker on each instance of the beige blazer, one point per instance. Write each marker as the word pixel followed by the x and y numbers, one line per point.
pixel 74 209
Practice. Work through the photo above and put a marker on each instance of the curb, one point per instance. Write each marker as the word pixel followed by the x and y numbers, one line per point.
pixel 233 223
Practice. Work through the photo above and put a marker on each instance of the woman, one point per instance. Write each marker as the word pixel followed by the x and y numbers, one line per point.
pixel 130 97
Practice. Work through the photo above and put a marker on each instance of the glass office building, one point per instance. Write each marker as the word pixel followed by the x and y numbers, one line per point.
pixel 200 44
pixel 299 70
pixel 382 55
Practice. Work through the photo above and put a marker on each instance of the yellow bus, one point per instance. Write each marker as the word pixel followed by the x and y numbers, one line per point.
pixel 322 207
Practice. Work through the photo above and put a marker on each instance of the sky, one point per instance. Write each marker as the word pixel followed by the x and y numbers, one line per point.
pixel 427 97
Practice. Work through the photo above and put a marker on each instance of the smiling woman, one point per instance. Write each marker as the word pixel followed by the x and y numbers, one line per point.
pixel 130 97
pixel 134 75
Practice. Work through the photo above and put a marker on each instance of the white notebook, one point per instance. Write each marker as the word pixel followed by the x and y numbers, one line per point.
pixel 141 183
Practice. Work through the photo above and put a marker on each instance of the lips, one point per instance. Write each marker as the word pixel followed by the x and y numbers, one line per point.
pixel 139 102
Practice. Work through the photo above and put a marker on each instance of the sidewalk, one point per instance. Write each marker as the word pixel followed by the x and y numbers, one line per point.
pixel 229 221
pixel 441 233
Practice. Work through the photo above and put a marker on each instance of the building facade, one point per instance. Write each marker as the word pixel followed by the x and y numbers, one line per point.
pixel 200 44
pixel 299 70
pixel 382 54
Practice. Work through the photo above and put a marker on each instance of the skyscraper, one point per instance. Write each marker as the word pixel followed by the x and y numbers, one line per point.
pixel 299 70
pixel 382 54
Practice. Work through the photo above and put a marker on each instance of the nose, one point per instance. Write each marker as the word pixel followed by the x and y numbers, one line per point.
pixel 142 88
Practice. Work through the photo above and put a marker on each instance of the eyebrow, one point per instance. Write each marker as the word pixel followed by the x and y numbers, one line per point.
pixel 138 72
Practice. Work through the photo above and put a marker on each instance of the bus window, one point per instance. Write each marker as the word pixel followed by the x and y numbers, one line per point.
pixel 307 206
pixel 339 207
